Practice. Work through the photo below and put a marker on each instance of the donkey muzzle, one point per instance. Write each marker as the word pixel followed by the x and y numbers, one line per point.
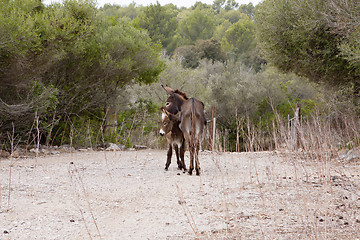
pixel 162 133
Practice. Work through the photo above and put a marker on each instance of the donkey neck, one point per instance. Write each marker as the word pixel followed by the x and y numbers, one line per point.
pixel 176 101
pixel 175 130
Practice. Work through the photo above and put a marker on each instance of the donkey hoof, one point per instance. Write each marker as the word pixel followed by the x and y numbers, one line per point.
pixel 198 172
pixel 190 172
pixel 166 169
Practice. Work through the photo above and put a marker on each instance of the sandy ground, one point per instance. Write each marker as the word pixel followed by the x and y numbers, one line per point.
pixel 129 195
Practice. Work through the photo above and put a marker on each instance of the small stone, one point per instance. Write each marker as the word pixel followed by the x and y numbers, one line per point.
pixel 140 147
pixel 4 154
pixel 181 202
pixel 6 232
pixel 15 154
pixel 113 147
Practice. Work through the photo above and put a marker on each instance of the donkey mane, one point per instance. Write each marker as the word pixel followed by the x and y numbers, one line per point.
pixel 181 93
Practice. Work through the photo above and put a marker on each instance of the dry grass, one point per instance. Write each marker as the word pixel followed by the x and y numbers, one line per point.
pixel 315 196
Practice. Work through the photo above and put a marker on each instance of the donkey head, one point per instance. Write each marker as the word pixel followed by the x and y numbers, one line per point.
pixel 167 121
pixel 175 100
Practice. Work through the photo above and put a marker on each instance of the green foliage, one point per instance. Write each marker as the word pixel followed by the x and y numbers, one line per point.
pixel 63 62
pixel 50 101
pixel 220 30
pixel 161 24
pixel 305 37
pixel 177 29
pixel 199 24
pixel 203 49
pixel 131 11
pixel 232 16
pixel 17 39
pixel 351 50
pixel 240 36
pixel 189 55
pixel 248 9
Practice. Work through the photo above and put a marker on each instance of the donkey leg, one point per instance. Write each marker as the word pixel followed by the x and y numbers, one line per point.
pixel 191 168
pixel 177 157
pixel 197 162
pixel 168 161
pixel 182 157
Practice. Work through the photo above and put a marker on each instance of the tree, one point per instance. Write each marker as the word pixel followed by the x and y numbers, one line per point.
pixel 203 49
pixel 240 36
pixel 110 10
pixel 61 62
pixel 220 30
pixel 232 15
pixel 199 24
pixel 210 49
pixel 311 38
pixel 19 42
pixel 248 9
pixel 160 22
pixel 227 5
pixel 231 4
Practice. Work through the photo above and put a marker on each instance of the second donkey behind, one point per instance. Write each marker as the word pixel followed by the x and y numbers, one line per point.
pixel 175 138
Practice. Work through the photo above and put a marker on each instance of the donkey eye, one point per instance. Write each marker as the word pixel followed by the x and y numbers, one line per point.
pixel 165 124
pixel 167 104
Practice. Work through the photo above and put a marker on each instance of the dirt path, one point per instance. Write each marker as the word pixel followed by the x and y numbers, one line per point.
pixel 128 195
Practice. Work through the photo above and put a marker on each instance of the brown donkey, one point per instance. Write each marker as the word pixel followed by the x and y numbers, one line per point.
pixel 175 138
pixel 192 122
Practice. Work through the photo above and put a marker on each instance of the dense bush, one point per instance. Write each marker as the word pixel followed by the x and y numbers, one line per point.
pixel 315 39
pixel 61 64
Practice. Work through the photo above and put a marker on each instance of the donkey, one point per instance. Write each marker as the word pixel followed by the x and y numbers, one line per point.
pixel 174 137
pixel 192 122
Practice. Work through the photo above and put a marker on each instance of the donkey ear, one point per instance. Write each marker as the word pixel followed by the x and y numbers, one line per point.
pixel 168 89
pixel 164 111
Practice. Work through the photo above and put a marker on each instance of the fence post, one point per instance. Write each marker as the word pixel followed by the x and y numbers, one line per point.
pixel 213 134
pixel 297 126
pixel 294 126
pixel 212 127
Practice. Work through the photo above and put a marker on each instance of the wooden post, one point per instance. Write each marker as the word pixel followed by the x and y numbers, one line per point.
pixel 213 134
pixel 212 127
pixel 237 146
pixel 294 128
pixel 297 126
